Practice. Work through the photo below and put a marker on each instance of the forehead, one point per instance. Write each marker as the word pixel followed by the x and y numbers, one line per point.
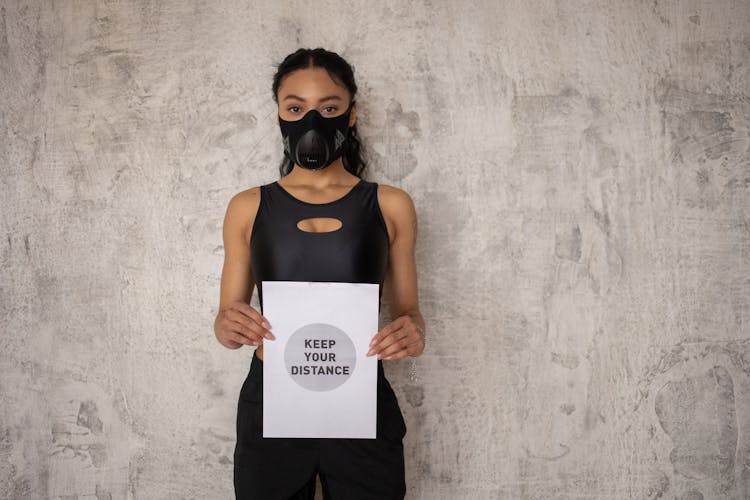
pixel 311 84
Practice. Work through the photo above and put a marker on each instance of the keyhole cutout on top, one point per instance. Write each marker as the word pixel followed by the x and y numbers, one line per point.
pixel 319 225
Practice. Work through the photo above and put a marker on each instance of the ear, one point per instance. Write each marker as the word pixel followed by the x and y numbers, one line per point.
pixel 353 114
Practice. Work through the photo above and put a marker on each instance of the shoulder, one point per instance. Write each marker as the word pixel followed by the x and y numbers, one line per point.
pixel 241 211
pixel 398 210
pixel 244 200
pixel 394 199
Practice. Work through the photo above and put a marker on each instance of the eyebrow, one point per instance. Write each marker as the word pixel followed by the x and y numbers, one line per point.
pixel 326 98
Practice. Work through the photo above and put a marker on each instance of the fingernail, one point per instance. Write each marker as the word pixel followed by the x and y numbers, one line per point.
pixel 265 323
pixel 269 335
pixel 369 353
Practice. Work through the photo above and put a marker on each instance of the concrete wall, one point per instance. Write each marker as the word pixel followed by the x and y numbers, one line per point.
pixel 581 172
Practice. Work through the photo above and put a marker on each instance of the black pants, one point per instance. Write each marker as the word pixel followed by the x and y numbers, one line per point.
pixel 285 468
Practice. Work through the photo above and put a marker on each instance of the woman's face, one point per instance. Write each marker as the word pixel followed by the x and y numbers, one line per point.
pixel 313 88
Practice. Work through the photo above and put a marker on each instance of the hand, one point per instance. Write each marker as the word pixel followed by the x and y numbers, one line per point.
pixel 398 339
pixel 241 324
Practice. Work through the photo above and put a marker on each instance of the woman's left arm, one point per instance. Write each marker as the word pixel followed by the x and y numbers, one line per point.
pixel 404 335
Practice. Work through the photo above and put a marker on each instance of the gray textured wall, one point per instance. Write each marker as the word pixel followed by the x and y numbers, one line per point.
pixel 581 172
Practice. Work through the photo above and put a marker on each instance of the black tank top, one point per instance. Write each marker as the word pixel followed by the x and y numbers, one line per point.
pixel 357 252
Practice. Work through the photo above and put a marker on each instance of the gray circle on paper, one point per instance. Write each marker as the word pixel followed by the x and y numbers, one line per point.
pixel 320 357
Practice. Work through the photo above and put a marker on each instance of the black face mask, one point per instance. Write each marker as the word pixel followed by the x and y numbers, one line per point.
pixel 314 142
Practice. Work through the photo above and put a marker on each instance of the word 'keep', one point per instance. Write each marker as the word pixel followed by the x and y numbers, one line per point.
pixel 319 343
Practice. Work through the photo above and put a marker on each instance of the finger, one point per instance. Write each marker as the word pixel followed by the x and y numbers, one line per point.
pixel 252 325
pixel 385 338
pixel 240 339
pixel 237 314
pixel 251 330
pixel 253 314
pixel 409 349
pixel 397 346
pixel 395 338
pixel 237 330
pixel 238 322
pixel 380 334
pixel 408 340
pixel 387 329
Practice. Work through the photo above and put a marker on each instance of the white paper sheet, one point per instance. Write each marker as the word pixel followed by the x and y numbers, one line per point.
pixel 318 381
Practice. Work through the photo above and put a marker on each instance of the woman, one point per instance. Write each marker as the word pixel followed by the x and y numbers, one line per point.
pixel 319 222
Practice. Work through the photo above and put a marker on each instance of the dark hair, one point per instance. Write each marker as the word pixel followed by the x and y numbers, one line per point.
pixel 341 72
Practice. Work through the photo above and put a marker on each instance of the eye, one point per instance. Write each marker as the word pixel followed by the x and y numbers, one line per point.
pixel 293 109
pixel 330 109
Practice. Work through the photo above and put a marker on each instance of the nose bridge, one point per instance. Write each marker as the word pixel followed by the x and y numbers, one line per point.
pixel 312 118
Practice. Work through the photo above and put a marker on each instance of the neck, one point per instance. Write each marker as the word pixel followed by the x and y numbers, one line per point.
pixel 333 174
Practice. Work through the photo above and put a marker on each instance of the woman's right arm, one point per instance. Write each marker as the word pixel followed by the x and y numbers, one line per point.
pixel 237 323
